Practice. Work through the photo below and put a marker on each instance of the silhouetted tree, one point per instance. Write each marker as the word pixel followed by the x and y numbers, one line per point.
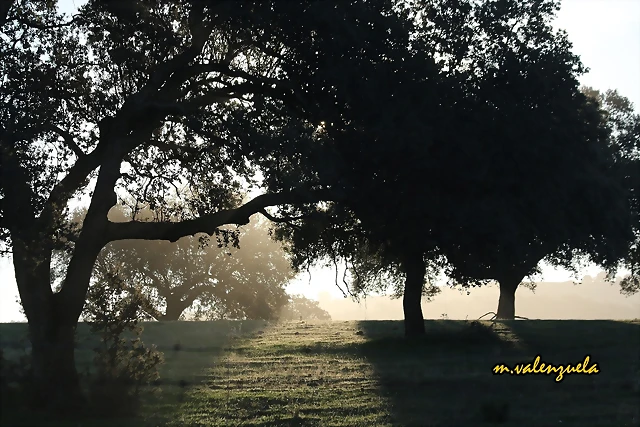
pixel 137 100
pixel 565 203
pixel 478 166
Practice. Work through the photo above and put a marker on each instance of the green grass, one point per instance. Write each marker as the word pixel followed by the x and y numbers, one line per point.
pixel 365 374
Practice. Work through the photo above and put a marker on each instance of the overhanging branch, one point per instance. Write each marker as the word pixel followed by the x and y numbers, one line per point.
pixel 173 231
pixel 195 104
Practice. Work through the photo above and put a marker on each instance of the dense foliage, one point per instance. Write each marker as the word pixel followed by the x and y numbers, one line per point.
pixel 487 160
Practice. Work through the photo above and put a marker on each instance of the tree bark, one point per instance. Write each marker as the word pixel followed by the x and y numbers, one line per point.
pixel 507 301
pixel 415 270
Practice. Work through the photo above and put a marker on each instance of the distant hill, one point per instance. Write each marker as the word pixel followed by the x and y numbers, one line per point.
pixel 592 299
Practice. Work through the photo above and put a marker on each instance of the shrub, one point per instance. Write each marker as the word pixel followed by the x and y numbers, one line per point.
pixel 122 365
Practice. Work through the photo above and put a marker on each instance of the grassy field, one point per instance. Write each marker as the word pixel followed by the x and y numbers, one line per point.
pixel 365 374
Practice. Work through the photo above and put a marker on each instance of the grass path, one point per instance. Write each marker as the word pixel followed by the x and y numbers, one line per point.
pixel 292 374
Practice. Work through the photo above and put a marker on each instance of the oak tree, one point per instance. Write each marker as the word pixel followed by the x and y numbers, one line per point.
pixel 136 99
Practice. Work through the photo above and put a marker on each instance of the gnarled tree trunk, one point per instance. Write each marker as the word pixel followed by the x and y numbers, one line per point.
pixel 415 270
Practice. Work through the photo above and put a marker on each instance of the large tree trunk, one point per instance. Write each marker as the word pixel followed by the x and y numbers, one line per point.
pixel 53 318
pixel 415 270
pixel 55 379
pixel 175 307
pixel 507 301
pixel 54 369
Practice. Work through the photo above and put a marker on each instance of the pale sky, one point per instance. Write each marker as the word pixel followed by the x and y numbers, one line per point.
pixel 606 35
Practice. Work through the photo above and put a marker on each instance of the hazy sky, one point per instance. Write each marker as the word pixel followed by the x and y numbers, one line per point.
pixel 606 35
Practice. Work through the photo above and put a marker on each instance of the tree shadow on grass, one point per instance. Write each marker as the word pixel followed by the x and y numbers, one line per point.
pixel 446 377
pixel 586 336
pixel 613 345
pixel 189 348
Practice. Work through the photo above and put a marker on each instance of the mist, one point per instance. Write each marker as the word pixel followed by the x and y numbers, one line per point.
pixel 594 298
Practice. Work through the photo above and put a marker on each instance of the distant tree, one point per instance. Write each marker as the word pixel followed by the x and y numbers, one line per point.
pixel 240 279
pixel 565 208
pixel 302 308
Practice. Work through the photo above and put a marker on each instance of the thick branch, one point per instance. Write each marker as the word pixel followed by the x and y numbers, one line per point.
pixel 173 231
pixel 68 139
pixel 69 184
pixel 193 284
pixel 224 68
pixel 191 106
pixel 116 136
pixel 286 220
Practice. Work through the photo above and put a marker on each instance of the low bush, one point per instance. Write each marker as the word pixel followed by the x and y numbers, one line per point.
pixel 123 364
